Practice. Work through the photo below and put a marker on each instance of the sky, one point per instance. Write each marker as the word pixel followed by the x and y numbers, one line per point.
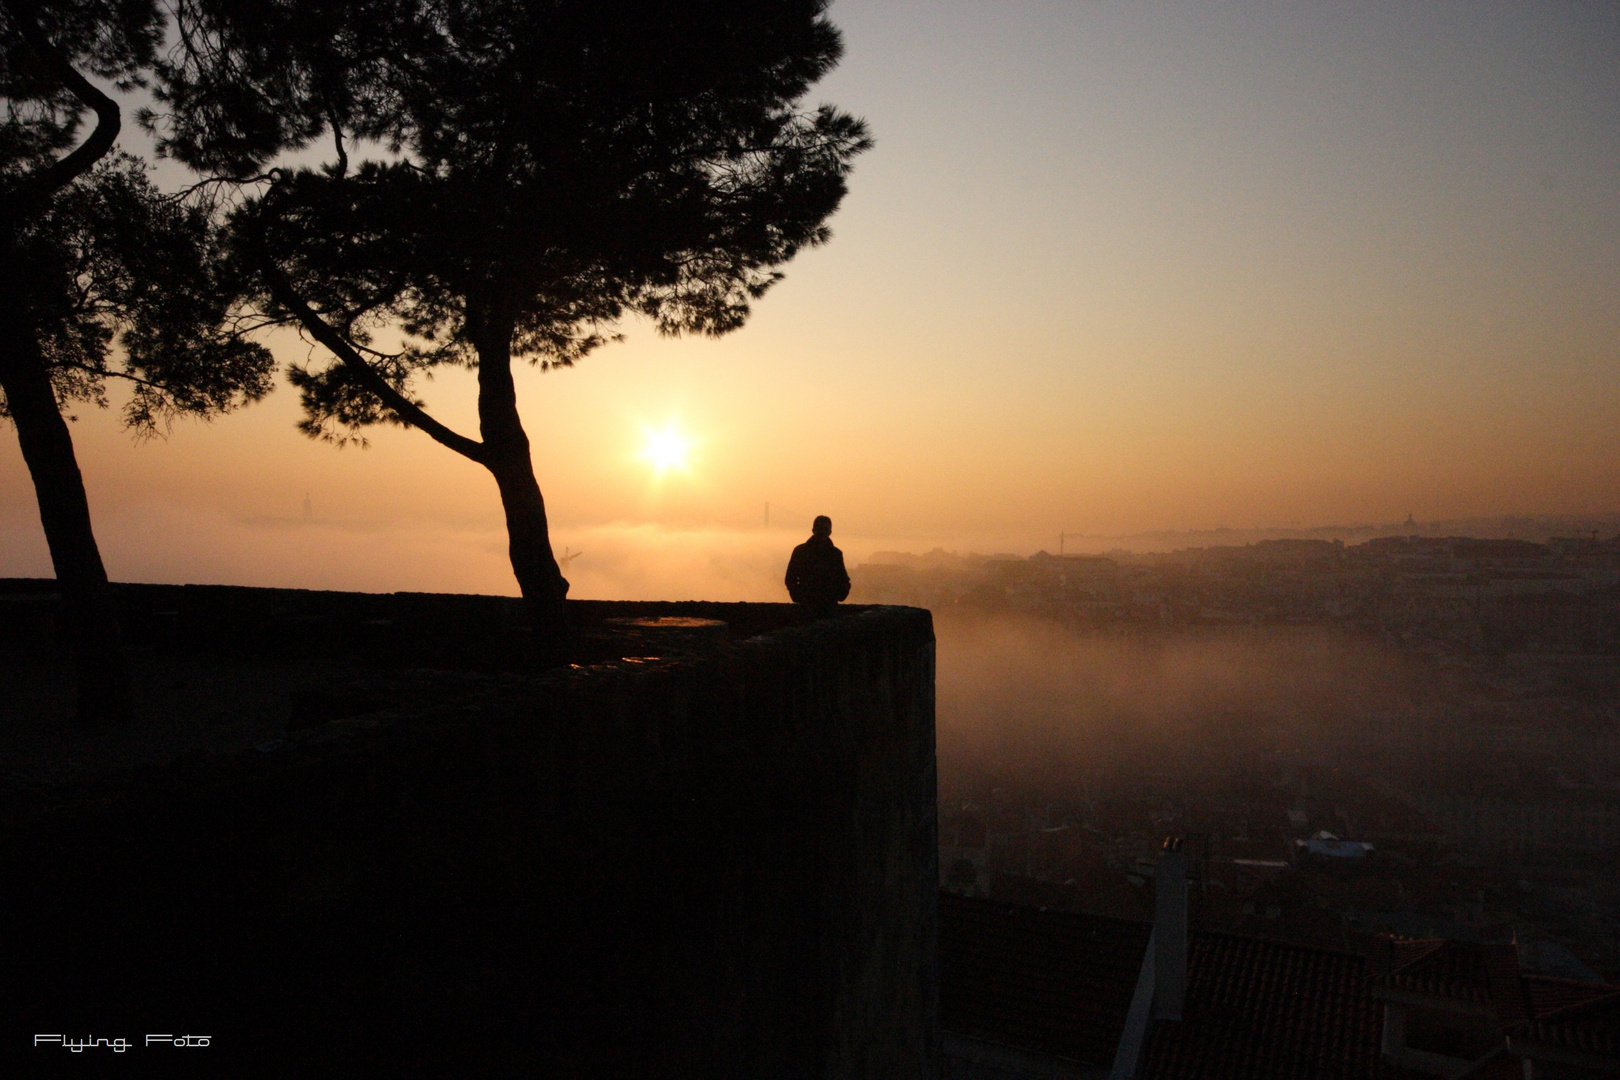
pixel 1110 268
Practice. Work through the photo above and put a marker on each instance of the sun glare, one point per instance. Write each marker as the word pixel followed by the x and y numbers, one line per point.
pixel 667 449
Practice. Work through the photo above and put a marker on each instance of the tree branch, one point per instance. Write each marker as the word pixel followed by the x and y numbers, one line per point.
pixel 110 373
pixel 403 407
pixel 210 181
pixel 337 137
pixel 44 182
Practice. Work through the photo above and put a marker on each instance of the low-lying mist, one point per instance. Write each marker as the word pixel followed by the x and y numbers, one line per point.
pixel 1029 700
pixel 177 544
pixel 1021 698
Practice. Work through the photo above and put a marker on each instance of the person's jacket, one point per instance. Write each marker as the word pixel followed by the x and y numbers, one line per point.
pixel 816 574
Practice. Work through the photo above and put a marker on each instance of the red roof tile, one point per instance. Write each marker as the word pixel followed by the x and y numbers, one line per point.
pixel 1060 983
pixel 1484 974
pixel 1548 994
pixel 1259 1009
pixel 1590 1027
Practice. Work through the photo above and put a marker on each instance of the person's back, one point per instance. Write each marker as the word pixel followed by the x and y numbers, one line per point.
pixel 816 576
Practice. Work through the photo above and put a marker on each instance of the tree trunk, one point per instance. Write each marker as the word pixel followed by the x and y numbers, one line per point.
pixel 47 447
pixel 92 622
pixel 506 455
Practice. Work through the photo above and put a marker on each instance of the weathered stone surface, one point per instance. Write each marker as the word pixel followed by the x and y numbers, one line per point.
pixel 715 860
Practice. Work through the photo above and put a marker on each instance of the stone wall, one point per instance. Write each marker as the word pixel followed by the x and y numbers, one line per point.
pixel 697 858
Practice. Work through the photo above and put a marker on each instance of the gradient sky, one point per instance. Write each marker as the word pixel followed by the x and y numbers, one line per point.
pixel 1110 268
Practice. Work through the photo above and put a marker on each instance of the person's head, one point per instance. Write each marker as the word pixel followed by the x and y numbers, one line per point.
pixel 822 526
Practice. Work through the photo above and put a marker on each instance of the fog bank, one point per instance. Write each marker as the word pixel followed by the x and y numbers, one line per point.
pixel 1028 698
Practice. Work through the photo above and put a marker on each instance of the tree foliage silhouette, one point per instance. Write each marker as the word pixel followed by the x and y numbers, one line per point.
pixel 92 256
pixel 551 167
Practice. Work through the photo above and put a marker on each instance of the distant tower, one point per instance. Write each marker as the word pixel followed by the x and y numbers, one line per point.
pixel 309 508
pixel 1411 526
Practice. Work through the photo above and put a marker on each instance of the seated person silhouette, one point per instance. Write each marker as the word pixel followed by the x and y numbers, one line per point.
pixel 816 577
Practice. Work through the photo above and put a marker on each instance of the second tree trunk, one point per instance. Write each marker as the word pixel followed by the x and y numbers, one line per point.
pixel 506 450
pixel 91 622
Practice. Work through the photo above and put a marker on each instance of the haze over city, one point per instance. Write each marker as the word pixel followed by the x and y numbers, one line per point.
pixel 1109 269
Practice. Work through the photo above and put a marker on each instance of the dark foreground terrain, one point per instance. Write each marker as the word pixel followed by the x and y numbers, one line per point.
pixel 362 835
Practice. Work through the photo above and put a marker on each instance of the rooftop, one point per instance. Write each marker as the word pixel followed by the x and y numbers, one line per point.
pixel 1262 1008
pixel 1060 983
pixel 1051 981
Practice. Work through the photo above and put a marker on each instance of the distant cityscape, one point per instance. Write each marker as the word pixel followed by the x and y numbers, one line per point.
pixel 1451 595
pixel 1480 803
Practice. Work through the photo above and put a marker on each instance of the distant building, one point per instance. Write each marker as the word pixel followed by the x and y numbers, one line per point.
pixel 1327 846
pixel 1550 621
pixel 1456 1009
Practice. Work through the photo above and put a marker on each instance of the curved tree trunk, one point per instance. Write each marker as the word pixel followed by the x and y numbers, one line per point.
pixel 503 449
pixel 505 453
pixel 47 447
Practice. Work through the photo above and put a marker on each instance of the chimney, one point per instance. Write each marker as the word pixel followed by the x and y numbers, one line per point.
pixel 1170 932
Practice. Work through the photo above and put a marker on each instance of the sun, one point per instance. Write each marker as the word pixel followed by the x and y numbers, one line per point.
pixel 667 449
